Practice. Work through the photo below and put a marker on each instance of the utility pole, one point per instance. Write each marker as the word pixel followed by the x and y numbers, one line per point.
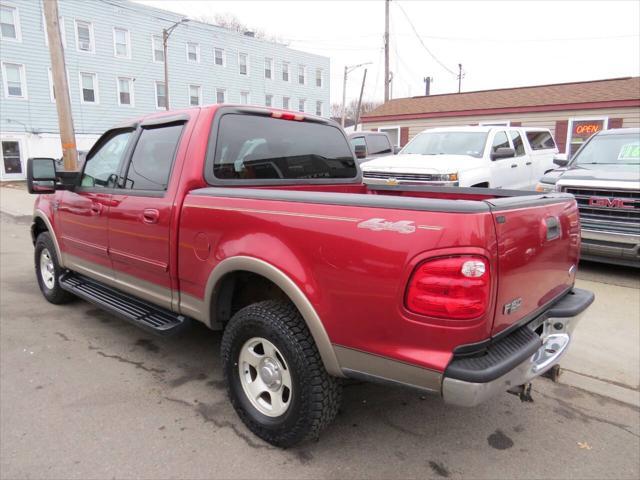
pixel 387 79
pixel 347 70
pixel 364 78
pixel 166 33
pixel 61 87
pixel 427 85
pixel 459 77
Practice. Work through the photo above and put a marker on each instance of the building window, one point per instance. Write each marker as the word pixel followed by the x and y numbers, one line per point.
pixel 285 103
pixel 15 85
pixel 158 51
pixel 244 98
pixel 121 43
pixel 88 88
pixel 60 27
pixel 161 95
pixel 11 157
pixel 301 105
pixel 125 91
pixel 243 63
pixel 285 71
pixel 84 36
pixel 268 68
pixel 301 75
pixel 9 23
pixel 319 109
pixel 218 56
pixel 268 100
pixel 319 77
pixel 221 95
pixel 393 133
pixel 193 52
pixel 195 95
pixel 52 90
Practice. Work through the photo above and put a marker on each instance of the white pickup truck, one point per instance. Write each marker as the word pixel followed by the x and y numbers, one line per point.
pixel 496 157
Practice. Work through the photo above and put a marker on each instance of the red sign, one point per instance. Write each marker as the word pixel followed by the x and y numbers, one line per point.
pixel 610 202
pixel 586 128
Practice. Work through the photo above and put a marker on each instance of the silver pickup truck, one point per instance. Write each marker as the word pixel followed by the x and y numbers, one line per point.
pixel 604 176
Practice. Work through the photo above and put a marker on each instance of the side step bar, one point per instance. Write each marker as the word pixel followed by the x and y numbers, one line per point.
pixel 145 315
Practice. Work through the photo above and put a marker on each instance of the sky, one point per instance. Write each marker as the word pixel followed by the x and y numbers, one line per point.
pixel 499 43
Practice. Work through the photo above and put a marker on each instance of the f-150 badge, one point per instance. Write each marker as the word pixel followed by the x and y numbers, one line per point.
pixel 380 224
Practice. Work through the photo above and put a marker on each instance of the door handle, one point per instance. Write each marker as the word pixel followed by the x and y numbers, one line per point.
pixel 528 163
pixel 96 208
pixel 150 215
pixel 514 165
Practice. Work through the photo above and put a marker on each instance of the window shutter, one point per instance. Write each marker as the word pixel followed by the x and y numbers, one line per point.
pixel 561 135
pixel 373 129
pixel 615 123
pixel 404 136
pixel 516 124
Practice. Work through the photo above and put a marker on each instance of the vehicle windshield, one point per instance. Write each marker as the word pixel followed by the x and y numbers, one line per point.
pixel 620 149
pixel 447 143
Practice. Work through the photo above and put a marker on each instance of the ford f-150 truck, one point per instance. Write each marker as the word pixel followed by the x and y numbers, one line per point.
pixel 256 222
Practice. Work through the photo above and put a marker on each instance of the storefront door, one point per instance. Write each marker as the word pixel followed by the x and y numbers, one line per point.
pixel 13 162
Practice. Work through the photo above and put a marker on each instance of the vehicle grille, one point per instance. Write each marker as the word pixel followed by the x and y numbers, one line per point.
pixel 415 177
pixel 610 218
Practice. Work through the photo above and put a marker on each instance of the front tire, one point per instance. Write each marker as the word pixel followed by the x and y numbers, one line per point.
pixel 48 271
pixel 275 377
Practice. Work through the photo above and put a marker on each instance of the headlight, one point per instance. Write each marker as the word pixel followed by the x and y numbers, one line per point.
pixel 445 177
pixel 545 187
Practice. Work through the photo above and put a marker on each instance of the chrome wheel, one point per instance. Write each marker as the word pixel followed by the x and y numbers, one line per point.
pixel 47 269
pixel 265 377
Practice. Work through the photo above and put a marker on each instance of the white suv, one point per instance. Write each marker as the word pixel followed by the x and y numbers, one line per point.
pixel 495 157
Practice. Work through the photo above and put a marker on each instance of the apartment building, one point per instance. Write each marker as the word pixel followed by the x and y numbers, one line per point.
pixel 115 67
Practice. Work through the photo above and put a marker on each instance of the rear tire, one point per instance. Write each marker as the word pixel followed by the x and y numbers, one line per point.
pixel 48 271
pixel 267 347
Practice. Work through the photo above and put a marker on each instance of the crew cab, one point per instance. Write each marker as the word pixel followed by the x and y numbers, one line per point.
pixel 256 222
pixel 604 176
pixel 494 157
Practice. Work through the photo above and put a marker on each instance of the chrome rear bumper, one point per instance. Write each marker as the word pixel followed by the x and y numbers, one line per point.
pixel 557 329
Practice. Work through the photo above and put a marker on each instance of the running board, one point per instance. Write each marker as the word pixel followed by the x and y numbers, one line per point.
pixel 149 317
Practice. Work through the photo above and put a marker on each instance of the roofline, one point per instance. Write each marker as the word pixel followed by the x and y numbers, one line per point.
pixel 506 110
pixel 527 86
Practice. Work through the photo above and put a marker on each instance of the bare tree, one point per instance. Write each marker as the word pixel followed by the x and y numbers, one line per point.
pixel 231 22
pixel 366 107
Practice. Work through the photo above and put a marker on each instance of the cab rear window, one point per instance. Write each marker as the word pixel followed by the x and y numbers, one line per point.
pixel 253 147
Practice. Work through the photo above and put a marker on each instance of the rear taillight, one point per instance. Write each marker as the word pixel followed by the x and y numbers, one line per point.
pixel 455 288
pixel 287 116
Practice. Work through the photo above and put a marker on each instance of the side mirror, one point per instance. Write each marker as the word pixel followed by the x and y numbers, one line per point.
pixel 360 151
pixel 41 175
pixel 561 159
pixel 396 150
pixel 503 152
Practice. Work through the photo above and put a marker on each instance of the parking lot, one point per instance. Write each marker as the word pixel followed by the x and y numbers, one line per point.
pixel 85 395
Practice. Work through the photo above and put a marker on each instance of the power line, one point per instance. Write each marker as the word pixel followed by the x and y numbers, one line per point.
pixel 421 42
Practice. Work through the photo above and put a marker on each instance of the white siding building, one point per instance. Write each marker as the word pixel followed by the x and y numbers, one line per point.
pixel 115 67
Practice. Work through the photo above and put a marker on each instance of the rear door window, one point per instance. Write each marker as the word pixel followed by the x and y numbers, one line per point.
pixel 540 140
pixel 518 144
pixel 153 157
pixel 377 144
pixel 253 147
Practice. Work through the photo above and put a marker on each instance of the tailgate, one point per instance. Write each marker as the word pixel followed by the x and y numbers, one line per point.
pixel 538 253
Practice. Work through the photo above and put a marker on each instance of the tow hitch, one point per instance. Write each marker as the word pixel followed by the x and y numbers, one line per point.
pixel 523 392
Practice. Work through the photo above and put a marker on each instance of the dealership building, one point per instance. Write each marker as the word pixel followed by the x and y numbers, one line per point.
pixel 572 111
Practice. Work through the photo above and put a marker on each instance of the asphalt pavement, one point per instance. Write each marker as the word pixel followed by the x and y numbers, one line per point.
pixel 84 395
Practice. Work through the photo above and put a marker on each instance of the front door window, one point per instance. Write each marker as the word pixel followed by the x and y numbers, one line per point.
pixel 103 166
pixel 11 161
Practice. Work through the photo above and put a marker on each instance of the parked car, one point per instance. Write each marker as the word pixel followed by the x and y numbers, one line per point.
pixel 256 222
pixel 495 157
pixel 370 145
pixel 604 176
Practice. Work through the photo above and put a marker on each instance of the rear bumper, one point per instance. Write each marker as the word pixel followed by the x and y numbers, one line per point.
pixel 519 357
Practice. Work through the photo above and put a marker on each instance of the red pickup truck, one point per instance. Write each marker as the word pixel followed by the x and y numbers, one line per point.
pixel 256 222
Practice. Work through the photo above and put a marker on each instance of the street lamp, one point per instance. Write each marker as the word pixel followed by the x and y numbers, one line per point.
pixel 347 71
pixel 166 33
